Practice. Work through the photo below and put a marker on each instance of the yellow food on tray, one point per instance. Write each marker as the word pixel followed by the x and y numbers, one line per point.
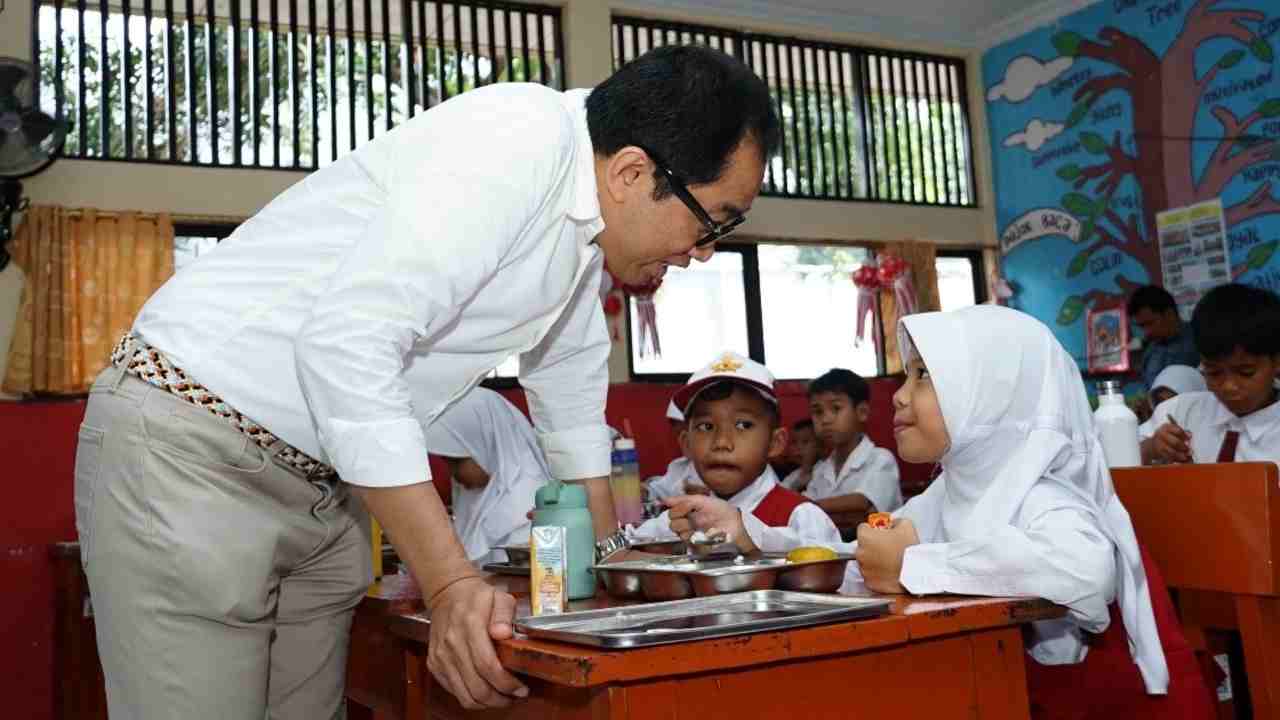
pixel 810 554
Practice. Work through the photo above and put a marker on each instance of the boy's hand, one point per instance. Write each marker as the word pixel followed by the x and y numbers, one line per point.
pixel 688 513
pixel 880 553
pixel 692 488
pixel 1171 444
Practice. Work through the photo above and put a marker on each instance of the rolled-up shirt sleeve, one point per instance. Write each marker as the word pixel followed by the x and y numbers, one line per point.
pixel 566 380
pixel 436 241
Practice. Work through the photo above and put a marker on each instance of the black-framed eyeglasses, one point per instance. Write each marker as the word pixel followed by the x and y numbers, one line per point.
pixel 715 230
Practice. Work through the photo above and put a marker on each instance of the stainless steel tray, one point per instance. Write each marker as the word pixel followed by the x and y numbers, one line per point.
pixel 679 577
pixel 700 619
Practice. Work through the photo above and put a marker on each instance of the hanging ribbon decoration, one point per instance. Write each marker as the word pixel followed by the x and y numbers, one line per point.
pixel 647 314
pixel 867 280
pixel 896 273
pixel 611 298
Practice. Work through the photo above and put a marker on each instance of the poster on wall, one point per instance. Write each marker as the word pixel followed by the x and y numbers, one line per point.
pixel 1194 252
pixel 1107 333
pixel 1111 114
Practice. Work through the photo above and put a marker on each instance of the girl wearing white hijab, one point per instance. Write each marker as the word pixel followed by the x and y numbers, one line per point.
pixel 1025 507
pixel 1172 381
pixel 497 467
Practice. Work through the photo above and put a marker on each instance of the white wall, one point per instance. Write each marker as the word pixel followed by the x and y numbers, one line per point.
pixel 239 193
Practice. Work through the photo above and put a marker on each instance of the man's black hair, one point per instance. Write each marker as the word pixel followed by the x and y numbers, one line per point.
pixel 1153 298
pixel 690 105
pixel 1236 316
pixel 842 381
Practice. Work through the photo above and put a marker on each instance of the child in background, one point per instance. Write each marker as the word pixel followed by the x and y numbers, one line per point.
pixel 1025 507
pixel 1171 382
pixel 681 478
pixel 857 476
pixel 497 466
pixel 803 451
pixel 733 430
pixel 1237 333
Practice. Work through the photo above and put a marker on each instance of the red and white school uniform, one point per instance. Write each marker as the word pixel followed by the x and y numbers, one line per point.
pixel 776 519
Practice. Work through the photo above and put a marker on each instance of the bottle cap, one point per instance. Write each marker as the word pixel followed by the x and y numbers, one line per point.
pixel 624 444
pixel 1110 387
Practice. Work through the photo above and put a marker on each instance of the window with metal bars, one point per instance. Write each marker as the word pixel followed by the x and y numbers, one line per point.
pixel 290 84
pixel 858 123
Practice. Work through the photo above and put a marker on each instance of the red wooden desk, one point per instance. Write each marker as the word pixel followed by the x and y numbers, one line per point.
pixel 931 658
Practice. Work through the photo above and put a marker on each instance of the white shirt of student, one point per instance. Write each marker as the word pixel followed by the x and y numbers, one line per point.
pixel 1024 505
pixel 796 478
pixel 1208 421
pixel 808 524
pixel 679 472
pixel 869 470
pixel 426 257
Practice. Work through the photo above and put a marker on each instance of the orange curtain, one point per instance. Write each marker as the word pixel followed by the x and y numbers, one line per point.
pixel 88 275
pixel 922 257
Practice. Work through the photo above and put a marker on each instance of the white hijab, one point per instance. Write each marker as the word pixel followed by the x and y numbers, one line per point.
pixel 486 428
pixel 1016 409
pixel 1180 379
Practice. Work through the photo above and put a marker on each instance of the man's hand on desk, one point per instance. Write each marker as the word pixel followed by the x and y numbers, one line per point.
pixel 466 618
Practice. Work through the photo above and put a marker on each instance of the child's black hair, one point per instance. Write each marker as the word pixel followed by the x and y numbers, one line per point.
pixel 1236 316
pixel 842 381
pixel 1153 298
pixel 722 390
pixel 802 424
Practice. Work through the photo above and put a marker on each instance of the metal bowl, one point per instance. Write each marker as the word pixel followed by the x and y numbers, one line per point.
pixel 660 586
pixel 621 583
pixel 822 576
pixel 732 580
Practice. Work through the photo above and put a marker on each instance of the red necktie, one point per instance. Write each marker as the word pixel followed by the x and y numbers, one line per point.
pixel 1227 453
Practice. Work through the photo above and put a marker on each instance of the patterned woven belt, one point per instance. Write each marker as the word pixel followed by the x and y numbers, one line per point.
pixel 152 367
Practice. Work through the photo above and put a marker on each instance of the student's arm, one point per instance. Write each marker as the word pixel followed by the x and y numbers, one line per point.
pixel 875 487
pixel 808 525
pixel 855 502
pixel 566 379
pixel 1060 556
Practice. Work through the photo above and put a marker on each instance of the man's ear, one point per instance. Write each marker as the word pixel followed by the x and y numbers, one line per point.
pixel 626 171
pixel 778 442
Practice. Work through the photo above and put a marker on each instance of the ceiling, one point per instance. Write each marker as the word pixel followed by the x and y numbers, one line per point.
pixel 975 24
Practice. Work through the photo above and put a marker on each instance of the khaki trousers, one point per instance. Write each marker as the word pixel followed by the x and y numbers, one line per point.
pixel 222 581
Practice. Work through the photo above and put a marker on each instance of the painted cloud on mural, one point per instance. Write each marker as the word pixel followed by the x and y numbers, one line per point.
pixel 1025 75
pixel 1036 135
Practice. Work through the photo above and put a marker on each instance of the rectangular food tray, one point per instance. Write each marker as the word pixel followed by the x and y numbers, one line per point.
pixel 700 618
pixel 679 577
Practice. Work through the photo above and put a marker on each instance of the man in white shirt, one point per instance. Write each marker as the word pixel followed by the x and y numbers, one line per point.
pixel 223 554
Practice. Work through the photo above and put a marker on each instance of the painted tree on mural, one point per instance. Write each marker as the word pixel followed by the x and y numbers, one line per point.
pixel 1166 93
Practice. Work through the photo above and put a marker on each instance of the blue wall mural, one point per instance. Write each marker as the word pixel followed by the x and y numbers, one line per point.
pixel 1118 112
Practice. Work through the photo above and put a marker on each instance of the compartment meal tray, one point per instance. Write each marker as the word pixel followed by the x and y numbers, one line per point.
pixel 679 577
pixel 700 618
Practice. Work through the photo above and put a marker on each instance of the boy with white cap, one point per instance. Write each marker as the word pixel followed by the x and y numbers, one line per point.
pixel 732 430
pixel 681 478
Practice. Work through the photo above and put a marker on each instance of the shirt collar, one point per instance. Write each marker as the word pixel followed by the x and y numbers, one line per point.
pixel 748 497
pixel 857 459
pixel 586 202
pixel 1254 425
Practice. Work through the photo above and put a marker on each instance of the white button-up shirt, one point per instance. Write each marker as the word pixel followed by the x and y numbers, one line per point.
pixel 869 471
pixel 808 524
pixel 679 473
pixel 1208 420
pixel 426 257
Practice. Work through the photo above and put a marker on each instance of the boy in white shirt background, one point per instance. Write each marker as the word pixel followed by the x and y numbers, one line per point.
pixel 804 451
pixel 856 476
pixel 733 430
pixel 1237 333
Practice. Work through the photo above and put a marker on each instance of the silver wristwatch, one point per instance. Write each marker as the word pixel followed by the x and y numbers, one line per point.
pixel 610 545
